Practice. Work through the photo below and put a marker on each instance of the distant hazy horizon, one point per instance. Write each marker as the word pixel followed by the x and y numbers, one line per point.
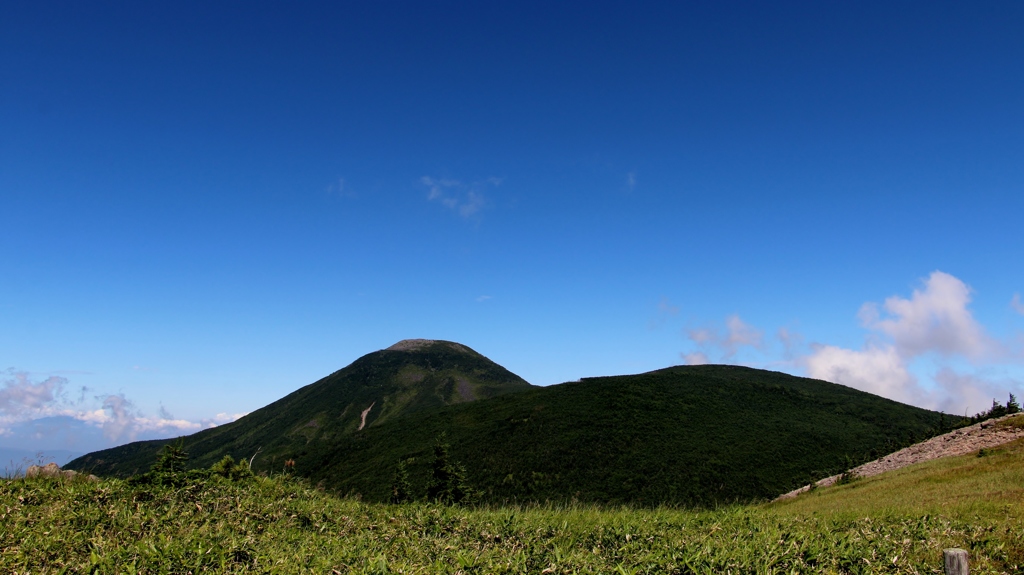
pixel 14 462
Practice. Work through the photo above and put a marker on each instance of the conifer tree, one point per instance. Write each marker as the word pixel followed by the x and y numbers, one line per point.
pixel 1012 406
pixel 172 459
pixel 401 489
pixel 447 478
pixel 996 411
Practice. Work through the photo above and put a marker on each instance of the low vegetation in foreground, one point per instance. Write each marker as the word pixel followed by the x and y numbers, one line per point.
pixel 229 521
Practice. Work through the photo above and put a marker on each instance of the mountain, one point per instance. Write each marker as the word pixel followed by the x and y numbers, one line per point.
pixel 694 435
pixel 411 375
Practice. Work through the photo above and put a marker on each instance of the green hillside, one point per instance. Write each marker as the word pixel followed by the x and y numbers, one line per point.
pixel 410 376
pixel 698 435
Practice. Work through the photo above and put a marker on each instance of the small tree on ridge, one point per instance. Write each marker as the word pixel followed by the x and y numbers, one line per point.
pixel 447 478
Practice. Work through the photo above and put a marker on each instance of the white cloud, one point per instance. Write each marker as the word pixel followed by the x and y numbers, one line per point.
pixel 483 298
pixel 120 421
pixel 122 418
pixel 935 319
pixel 930 329
pixel 222 418
pixel 1016 304
pixel 877 370
pixel 464 199
pixel 630 181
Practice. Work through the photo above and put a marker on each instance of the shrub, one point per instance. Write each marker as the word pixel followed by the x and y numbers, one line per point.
pixel 228 468
pixel 847 477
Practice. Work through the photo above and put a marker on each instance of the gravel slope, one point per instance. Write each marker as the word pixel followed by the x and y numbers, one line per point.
pixel 962 441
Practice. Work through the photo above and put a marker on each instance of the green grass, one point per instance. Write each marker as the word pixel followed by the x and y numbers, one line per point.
pixel 895 523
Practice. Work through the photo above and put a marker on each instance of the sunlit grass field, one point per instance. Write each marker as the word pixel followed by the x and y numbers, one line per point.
pixel 893 523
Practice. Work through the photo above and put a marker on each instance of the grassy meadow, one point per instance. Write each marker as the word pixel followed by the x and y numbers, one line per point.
pixel 893 523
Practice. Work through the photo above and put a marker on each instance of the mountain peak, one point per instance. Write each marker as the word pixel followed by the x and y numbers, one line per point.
pixel 410 376
pixel 418 344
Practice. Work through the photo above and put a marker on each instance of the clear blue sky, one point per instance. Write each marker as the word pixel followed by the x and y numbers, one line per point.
pixel 207 207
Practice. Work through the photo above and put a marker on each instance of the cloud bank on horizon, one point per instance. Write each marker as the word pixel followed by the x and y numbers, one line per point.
pixel 24 400
pixel 926 350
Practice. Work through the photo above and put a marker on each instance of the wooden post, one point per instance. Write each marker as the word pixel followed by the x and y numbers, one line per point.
pixel 955 561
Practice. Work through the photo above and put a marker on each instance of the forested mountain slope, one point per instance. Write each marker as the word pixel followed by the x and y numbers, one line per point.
pixel 695 435
pixel 410 376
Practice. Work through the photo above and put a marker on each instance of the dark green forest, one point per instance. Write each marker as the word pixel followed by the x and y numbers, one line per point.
pixel 688 436
pixel 699 435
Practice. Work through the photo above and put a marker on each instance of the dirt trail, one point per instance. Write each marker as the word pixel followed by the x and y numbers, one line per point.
pixel 964 440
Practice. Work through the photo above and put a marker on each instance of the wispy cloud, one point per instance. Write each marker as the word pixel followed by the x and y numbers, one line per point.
pixel 630 181
pixel 968 392
pixel 726 344
pixel 341 189
pixel 1016 304
pixel 665 307
pixel 695 358
pixel 791 342
pixel 467 200
pixel 666 310
pixel 483 298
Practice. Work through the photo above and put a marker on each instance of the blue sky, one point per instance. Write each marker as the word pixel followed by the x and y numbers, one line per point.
pixel 207 207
